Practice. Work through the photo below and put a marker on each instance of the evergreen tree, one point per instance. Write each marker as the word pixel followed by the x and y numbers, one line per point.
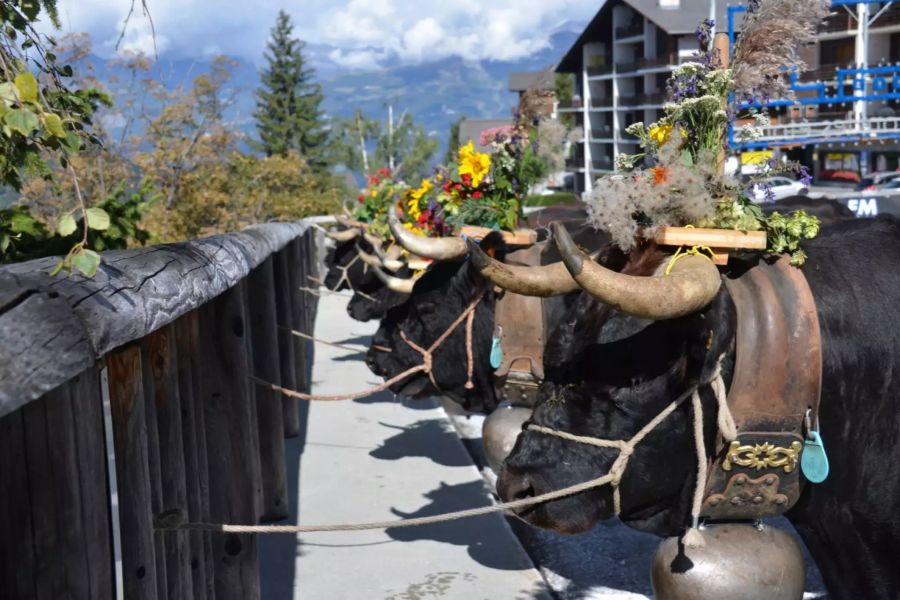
pixel 453 141
pixel 288 105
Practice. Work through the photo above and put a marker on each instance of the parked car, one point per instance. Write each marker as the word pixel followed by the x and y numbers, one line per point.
pixel 874 181
pixel 781 187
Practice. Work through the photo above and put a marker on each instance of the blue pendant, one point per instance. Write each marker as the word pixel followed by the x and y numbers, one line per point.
pixel 496 353
pixel 814 460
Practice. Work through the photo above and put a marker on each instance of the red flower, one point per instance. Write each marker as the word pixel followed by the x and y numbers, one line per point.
pixel 458 186
pixel 384 172
pixel 476 194
pixel 360 198
pixel 423 218
pixel 467 179
pixel 447 186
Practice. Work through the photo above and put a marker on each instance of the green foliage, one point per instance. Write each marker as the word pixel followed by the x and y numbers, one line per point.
pixel 288 107
pixel 784 234
pixel 115 223
pixel 555 199
pixel 565 89
pixel 453 140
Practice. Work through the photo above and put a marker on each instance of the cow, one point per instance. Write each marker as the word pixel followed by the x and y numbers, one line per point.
pixel 610 371
pixel 437 299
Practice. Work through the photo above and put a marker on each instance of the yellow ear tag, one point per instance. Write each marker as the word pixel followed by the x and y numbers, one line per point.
pixel 709 342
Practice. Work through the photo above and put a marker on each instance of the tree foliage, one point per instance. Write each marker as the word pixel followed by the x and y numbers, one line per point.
pixel 288 107
pixel 366 145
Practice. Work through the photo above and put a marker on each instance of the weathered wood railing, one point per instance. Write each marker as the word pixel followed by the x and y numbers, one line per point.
pixel 169 336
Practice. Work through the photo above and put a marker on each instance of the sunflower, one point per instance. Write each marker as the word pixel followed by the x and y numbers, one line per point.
pixel 475 164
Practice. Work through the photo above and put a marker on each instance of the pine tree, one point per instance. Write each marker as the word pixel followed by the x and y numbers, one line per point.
pixel 288 105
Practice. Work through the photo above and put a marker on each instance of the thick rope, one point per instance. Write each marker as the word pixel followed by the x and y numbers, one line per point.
pixel 311 338
pixel 470 359
pixel 692 537
pixel 425 367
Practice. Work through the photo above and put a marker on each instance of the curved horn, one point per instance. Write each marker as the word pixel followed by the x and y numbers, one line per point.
pixel 395 284
pixel 446 248
pixel 369 259
pixel 549 280
pixel 692 283
pixel 350 223
pixel 343 236
pixel 390 259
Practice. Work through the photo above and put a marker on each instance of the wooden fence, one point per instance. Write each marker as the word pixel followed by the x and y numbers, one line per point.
pixel 169 337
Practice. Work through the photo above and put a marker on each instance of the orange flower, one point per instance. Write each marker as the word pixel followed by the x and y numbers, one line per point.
pixel 660 174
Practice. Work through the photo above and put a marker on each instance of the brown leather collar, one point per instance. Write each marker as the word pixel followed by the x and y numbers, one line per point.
pixel 520 322
pixel 777 378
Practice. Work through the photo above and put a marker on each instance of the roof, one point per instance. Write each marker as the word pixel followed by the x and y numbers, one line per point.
pixel 528 80
pixel 674 21
pixel 470 129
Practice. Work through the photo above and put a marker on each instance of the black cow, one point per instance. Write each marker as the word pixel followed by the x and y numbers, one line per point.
pixel 609 373
pixel 346 270
pixel 439 297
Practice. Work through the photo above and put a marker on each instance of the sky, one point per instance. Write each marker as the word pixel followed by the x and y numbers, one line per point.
pixel 356 34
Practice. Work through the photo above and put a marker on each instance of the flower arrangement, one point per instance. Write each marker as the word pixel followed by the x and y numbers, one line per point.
pixel 487 188
pixel 678 179
pixel 375 200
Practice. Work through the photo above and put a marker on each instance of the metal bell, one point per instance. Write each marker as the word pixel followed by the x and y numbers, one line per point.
pixel 739 561
pixel 500 430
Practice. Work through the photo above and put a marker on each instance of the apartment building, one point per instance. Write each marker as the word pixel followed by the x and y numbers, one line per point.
pixel 843 117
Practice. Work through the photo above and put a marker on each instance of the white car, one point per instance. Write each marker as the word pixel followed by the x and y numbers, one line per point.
pixel 781 187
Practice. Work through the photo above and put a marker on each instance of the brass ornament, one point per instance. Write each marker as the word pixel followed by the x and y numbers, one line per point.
pixel 762 456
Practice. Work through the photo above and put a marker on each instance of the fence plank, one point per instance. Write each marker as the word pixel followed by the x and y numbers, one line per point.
pixel 224 370
pixel 287 357
pixel 17 560
pixel 126 399
pixel 266 366
pixel 161 393
pixel 187 331
pixel 87 417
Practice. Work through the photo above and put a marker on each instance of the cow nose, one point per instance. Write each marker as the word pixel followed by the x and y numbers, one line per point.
pixel 514 487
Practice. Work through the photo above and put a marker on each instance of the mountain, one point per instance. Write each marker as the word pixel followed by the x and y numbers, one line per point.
pixel 436 93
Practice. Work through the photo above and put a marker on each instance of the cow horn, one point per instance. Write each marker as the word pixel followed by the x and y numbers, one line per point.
pixel 548 280
pixel 446 248
pixel 395 284
pixel 349 222
pixel 343 236
pixel 390 259
pixel 691 284
pixel 369 259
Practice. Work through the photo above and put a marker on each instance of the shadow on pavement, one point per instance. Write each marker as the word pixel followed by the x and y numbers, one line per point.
pixel 388 396
pixel 487 543
pixel 427 438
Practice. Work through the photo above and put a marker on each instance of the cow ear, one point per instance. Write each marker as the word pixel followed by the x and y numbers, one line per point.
pixel 712 337
pixel 494 245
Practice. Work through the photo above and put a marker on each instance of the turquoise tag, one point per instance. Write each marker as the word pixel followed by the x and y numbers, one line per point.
pixel 496 353
pixel 814 460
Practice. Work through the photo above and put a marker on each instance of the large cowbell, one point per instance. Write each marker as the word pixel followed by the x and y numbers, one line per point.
pixel 738 561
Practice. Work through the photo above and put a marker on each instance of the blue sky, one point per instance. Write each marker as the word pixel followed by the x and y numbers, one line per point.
pixel 362 34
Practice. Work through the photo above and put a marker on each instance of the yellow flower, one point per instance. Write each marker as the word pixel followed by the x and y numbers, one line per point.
pixel 414 229
pixel 475 164
pixel 374 193
pixel 423 189
pixel 660 133
pixel 415 197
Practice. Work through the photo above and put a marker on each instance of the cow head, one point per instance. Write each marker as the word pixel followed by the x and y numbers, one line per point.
pixel 345 268
pixel 439 297
pixel 374 296
pixel 610 372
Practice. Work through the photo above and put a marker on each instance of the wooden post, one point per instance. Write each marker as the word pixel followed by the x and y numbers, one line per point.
pixel 54 506
pixel 194 435
pixel 267 366
pixel 126 399
pixel 224 369
pixel 300 300
pixel 164 409
pixel 286 356
pixel 256 463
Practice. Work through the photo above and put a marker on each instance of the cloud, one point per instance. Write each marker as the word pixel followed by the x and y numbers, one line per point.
pixel 362 33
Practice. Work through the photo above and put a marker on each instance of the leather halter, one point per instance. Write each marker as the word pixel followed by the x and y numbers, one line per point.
pixel 521 323
pixel 777 379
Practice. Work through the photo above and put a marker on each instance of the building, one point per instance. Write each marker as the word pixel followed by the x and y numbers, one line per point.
pixel 622 60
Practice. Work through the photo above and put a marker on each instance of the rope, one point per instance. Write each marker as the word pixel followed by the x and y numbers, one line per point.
pixel 311 338
pixel 692 537
pixel 704 251
pixel 426 366
pixel 470 359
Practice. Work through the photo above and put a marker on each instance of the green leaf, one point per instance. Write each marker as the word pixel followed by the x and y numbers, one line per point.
pixel 97 219
pixel 54 125
pixel 66 225
pixel 22 120
pixel 31 8
pixel 86 261
pixel 4 242
pixel 73 142
pixel 8 94
pixel 27 86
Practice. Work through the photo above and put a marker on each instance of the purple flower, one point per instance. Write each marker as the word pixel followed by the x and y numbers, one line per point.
pixel 704 31
pixel 805 176
pixel 769 194
pixel 752 5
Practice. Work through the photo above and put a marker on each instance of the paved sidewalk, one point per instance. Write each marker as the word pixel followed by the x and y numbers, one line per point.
pixel 378 459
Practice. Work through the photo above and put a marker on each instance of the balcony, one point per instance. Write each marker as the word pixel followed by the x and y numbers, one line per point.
pixel 596 70
pixel 604 102
pixel 626 67
pixel 651 99
pixel 635 28
pixel 841 22
pixel 654 62
pixel 575 163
